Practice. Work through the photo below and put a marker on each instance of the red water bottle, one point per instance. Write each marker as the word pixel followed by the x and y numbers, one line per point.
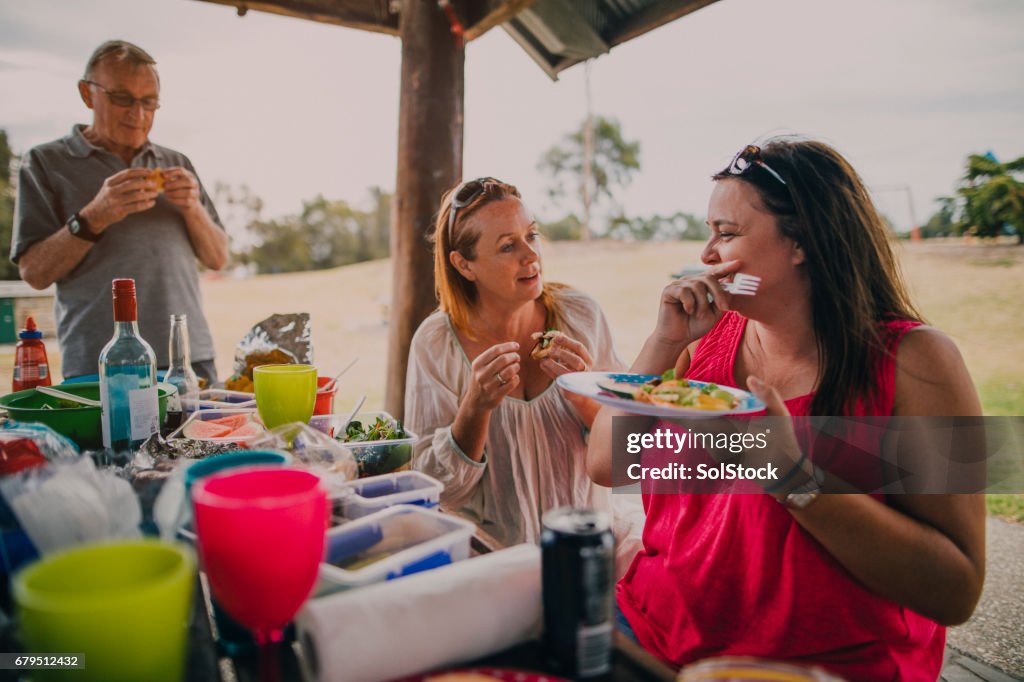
pixel 31 368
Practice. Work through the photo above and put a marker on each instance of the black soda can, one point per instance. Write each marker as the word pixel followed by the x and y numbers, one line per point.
pixel 578 569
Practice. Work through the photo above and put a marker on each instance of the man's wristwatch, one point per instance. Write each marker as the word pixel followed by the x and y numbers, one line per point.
pixel 78 226
pixel 803 495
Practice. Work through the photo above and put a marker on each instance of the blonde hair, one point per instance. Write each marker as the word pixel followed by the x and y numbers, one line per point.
pixel 457 295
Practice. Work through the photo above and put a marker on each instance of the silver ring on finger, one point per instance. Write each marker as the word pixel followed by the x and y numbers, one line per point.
pixel 501 380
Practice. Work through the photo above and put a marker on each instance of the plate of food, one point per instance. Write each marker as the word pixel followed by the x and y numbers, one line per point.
pixel 661 396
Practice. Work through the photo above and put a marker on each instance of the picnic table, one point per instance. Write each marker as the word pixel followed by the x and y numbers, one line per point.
pixel 208 662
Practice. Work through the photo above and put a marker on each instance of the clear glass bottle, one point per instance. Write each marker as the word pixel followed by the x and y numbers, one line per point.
pixel 181 375
pixel 128 391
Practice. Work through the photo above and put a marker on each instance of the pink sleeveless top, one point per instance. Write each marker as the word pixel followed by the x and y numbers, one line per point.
pixel 736 575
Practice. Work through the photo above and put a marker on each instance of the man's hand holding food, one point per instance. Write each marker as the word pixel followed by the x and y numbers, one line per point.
pixel 122 194
pixel 182 189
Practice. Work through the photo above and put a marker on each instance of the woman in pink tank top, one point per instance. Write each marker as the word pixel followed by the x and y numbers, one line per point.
pixel 862 584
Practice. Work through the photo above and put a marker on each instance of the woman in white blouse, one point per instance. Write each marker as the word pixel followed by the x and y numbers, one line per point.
pixel 505 441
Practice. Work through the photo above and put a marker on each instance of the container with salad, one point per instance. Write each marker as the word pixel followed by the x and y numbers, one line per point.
pixel 378 441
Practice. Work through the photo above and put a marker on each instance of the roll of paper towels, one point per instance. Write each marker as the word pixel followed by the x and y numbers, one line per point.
pixel 441 617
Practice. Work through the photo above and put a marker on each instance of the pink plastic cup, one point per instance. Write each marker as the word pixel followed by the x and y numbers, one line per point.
pixel 261 533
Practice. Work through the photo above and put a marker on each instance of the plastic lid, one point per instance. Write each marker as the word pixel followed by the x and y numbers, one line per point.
pixel 30 331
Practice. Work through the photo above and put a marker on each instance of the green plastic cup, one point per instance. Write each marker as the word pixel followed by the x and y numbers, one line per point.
pixel 284 393
pixel 124 606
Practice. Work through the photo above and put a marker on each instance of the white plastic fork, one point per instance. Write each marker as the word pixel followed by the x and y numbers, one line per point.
pixel 743 285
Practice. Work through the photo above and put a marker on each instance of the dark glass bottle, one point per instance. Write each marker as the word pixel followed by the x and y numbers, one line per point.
pixel 180 375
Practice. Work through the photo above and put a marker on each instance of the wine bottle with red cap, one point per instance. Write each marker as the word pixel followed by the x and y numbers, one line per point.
pixel 128 389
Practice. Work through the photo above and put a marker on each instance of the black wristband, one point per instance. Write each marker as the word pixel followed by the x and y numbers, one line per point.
pixel 78 226
pixel 789 474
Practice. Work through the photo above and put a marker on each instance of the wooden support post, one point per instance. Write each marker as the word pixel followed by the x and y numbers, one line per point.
pixel 429 162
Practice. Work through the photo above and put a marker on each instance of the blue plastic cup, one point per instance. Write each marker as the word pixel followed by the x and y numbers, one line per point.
pixel 230 460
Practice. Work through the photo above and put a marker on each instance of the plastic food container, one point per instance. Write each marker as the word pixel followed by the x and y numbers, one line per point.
pixel 355 499
pixel 221 398
pixel 374 457
pixel 392 543
pixel 245 424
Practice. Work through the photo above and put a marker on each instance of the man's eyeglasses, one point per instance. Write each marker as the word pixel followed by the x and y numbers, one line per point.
pixel 464 195
pixel 751 156
pixel 124 99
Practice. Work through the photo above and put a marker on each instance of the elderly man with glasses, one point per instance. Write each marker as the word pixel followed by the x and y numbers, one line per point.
pixel 105 202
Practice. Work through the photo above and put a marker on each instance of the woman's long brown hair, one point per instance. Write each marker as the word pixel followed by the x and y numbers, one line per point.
pixel 855 278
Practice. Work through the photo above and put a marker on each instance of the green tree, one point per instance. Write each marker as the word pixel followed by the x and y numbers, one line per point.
pixel 281 246
pixel 239 208
pixel 8 161
pixel 943 222
pixel 992 196
pixel 566 229
pixel 675 227
pixel 326 234
pixel 614 159
pixel 377 224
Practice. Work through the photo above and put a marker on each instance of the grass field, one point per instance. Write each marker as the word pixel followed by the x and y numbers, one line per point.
pixel 971 292
pixel 1010 507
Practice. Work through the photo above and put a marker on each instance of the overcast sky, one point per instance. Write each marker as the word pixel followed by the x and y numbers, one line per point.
pixel 905 88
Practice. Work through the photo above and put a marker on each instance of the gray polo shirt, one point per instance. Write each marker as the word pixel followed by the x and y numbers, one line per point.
pixel 59 178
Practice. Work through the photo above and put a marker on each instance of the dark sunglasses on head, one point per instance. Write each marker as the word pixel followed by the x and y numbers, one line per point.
pixel 751 156
pixel 126 100
pixel 464 195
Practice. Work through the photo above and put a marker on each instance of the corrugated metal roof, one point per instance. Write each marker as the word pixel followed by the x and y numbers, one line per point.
pixel 560 33
pixel 555 33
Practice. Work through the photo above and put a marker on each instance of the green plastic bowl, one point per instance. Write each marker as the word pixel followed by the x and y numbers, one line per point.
pixel 80 424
